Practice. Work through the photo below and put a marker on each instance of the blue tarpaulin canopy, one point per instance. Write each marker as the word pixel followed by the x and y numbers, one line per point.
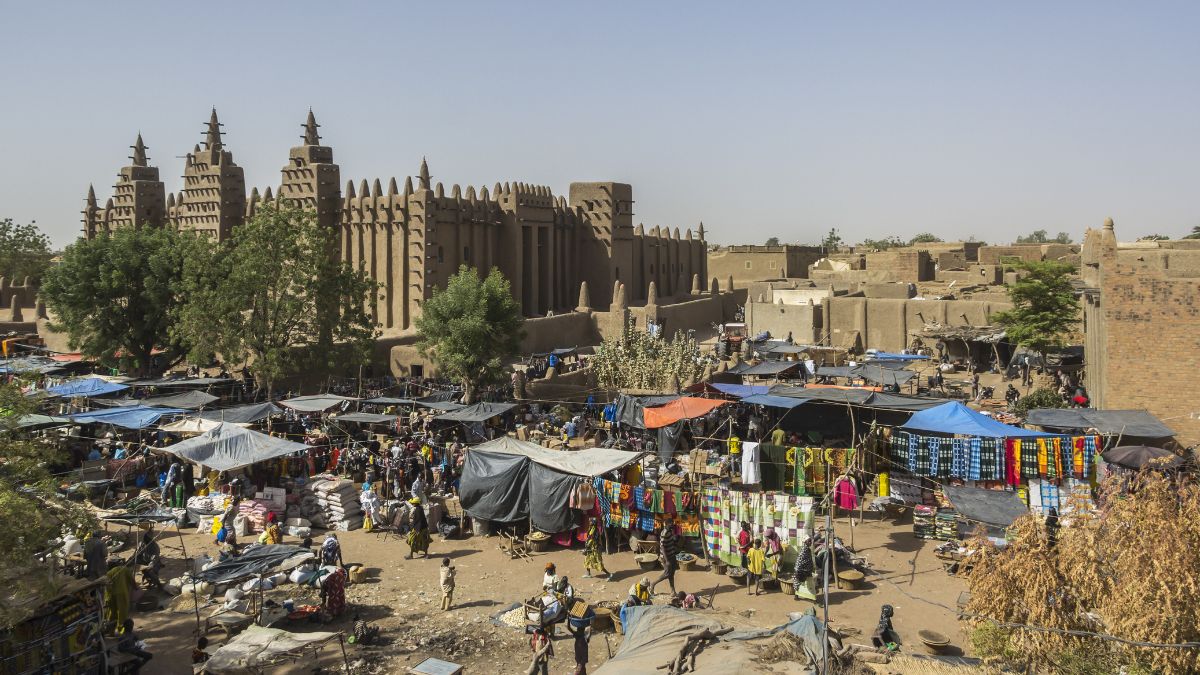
pixel 888 356
pixel 956 418
pixel 87 386
pixel 741 390
pixel 130 417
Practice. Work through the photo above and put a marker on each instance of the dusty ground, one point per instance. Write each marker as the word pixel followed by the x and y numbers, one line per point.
pixel 403 599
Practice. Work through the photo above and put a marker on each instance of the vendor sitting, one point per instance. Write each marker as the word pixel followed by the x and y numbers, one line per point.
pixel 550 578
pixel 563 589
pixel 639 593
pixel 272 534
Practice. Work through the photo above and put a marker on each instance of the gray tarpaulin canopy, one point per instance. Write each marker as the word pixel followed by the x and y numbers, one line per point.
pixel 629 408
pixel 33 422
pixel 257 648
pixel 654 635
pixel 770 368
pixel 243 414
pixel 365 418
pixel 182 382
pixel 858 397
pixel 387 400
pixel 255 561
pixel 870 372
pixel 997 508
pixel 226 447
pixel 188 400
pixel 444 406
pixel 477 412
pixel 508 480
pixel 1109 422
pixel 315 403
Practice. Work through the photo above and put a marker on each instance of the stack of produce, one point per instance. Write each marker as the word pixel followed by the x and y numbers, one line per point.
pixel 923 522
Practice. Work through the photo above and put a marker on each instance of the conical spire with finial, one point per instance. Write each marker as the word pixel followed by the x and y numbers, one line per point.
pixel 701 232
pixel 139 151
pixel 311 137
pixel 212 138
pixel 91 196
pixel 424 175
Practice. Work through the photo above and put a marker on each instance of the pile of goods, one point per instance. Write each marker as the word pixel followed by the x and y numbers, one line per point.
pixel 338 501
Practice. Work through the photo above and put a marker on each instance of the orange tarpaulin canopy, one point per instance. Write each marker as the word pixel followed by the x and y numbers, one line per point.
pixel 679 409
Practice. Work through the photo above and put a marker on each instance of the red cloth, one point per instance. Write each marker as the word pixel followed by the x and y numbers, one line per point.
pixel 744 542
pixel 844 495
pixel 1012 470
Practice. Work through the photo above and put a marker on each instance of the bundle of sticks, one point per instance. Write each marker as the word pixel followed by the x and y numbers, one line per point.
pixel 686 661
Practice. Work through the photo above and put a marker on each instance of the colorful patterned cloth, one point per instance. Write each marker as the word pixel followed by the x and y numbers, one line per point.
pixel 723 510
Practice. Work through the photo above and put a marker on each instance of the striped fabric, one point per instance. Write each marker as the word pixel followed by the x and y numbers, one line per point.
pixel 935 451
pixel 974 459
pixel 959 465
pixel 914 442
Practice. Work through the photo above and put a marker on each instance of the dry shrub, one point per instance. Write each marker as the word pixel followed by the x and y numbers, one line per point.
pixel 783 646
pixel 1132 570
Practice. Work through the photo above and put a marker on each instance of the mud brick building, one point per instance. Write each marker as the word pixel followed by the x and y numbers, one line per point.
pixel 412 238
pixel 1141 322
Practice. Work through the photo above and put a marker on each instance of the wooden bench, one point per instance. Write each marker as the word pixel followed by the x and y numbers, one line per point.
pixel 229 621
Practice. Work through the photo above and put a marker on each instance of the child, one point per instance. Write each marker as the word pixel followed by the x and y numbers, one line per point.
pixel 199 655
pixel 447 582
pixel 756 561
pixel 543 649
pixel 581 635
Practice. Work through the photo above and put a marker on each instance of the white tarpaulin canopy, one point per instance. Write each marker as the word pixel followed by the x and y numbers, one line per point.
pixel 589 463
pixel 257 648
pixel 227 446
pixel 317 403
pixel 193 425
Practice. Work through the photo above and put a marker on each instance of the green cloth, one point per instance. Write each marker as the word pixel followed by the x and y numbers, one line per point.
pixel 119 594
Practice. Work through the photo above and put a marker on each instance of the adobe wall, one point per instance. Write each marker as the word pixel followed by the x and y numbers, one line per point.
pixel 885 323
pixel 802 321
pixel 906 265
pixel 759 263
pixel 569 329
pixel 1147 326
pixel 974 274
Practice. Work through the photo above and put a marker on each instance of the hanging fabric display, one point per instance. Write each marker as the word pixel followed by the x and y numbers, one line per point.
pixel 994 459
pixel 724 511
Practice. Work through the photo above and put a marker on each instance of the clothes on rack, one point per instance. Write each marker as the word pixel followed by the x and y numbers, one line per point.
pixel 751 474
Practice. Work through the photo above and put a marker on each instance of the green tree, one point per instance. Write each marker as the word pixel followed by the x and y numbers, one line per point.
pixel 881 244
pixel 24 251
pixel 1043 237
pixel 1038 398
pixel 470 328
pixel 117 296
pixel 34 512
pixel 1044 307
pixel 772 241
pixel 1195 233
pixel 924 238
pixel 832 240
pixel 277 298
pixel 1154 237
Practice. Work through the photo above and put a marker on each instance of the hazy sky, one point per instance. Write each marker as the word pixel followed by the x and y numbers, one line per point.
pixel 890 118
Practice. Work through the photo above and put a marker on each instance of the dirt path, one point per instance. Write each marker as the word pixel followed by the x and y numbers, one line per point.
pixel 402 598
